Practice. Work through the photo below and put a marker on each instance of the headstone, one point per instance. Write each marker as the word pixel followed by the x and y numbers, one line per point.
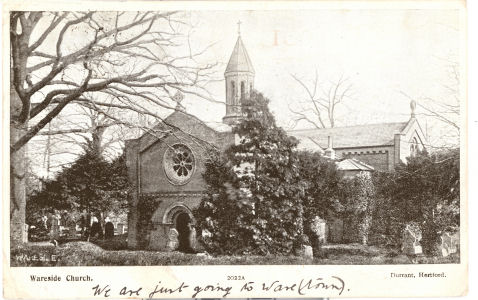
pixel 55 227
pixel 411 238
pixel 25 233
pixel 109 230
pixel 305 252
pixel 72 229
pixel 44 220
pixel 96 230
pixel 173 241
pixel 319 227
pixel 120 228
pixel 72 232
pixel 449 243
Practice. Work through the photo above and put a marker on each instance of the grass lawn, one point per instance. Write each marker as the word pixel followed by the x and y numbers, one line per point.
pixel 90 254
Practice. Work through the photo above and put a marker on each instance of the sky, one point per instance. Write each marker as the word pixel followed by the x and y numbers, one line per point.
pixel 382 53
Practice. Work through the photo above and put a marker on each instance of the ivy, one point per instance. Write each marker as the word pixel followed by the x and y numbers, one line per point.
pixel 254 201
pixel 147 205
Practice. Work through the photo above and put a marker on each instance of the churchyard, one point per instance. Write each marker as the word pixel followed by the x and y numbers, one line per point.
pixel 147 173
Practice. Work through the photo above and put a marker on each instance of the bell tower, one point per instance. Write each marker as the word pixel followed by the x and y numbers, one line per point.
pixel 239 77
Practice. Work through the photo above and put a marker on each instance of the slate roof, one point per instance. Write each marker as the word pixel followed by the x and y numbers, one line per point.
pixel 351 164
pixel 239 61
pixel 349 137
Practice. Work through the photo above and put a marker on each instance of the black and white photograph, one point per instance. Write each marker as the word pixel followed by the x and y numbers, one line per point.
pixel 254 136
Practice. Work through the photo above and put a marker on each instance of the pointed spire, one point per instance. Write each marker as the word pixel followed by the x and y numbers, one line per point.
pixel 239 61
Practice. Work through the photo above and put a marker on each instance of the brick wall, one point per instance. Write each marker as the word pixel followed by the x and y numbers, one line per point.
pixel 381 158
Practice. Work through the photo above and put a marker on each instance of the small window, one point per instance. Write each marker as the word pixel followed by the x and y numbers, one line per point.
pixel 414 147
pixel 243 89
pixel 233 90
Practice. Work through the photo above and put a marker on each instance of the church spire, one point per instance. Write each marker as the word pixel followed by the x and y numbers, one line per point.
pixel 239 60
pixel 239 75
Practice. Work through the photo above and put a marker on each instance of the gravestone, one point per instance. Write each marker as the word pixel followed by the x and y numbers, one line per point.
pixel 96 230
pixel 448 243
pixel 305 252
pixel 72 230
pixel 411 238
pixel 173 241
pixel 120 229
pixel 25 233
pixel 55 227
pixel 319 227
pixel 109 230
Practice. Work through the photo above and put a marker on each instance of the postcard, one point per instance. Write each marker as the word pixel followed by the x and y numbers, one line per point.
pixel 240 149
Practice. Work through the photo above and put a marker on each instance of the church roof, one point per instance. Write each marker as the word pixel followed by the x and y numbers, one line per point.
pixel 349 137
pixel 239 61
pixel 351 164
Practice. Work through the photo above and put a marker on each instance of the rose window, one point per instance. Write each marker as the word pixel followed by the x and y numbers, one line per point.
pixel 179 163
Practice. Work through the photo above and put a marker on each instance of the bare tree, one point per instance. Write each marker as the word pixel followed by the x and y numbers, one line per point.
pixel 443 111
pixel 138 59
pixel 320 103
pixel 82 128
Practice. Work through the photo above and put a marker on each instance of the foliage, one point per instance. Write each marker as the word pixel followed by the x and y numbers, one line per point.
pixel 426 190
pixel 323 192
pixel 254 202
pixel 323 184
pixel 147 205
pixel 90 184
pixel 359 205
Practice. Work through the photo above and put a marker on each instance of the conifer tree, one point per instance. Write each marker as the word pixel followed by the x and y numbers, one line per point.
pixel 254 202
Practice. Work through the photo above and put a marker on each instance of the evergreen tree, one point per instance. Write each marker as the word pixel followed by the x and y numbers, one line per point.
pixel 255 194
pixel 426 190
pixel 90 184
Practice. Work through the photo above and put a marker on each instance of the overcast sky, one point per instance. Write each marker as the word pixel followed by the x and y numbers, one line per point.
pixel 382 53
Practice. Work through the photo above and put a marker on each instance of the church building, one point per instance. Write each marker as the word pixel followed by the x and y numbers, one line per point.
pixel 166 165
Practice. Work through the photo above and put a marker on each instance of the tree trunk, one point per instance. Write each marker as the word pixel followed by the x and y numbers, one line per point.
pixel 18 232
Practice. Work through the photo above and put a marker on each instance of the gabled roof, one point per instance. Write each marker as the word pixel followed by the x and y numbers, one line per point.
pixel 349 137
pixel 187 124
pixel 239 61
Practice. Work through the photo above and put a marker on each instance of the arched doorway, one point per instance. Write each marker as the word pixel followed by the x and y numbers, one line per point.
pixel 182 223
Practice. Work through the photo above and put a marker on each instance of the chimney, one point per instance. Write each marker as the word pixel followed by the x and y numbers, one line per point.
pixel 330 152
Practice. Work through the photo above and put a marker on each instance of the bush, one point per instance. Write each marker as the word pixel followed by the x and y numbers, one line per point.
pixel 426 190
pixel 118 242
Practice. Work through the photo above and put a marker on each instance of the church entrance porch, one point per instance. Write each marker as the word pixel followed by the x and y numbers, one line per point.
pixel 173 228
pixel 183 225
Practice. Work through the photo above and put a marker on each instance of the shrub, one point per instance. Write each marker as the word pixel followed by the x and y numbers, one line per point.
pixel 426 190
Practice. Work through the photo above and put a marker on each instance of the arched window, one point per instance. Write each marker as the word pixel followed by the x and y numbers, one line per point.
pixel 243 89
pixel 233 91
pixel 413 147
